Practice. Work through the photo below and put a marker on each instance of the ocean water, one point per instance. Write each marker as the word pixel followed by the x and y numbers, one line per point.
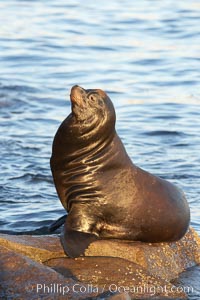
pixel 144 54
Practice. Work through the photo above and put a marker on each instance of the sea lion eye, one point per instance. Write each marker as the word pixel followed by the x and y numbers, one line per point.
pixel 91 97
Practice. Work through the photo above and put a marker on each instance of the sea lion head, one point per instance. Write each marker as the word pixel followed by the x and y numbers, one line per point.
pixel 91 124
pixel 90 105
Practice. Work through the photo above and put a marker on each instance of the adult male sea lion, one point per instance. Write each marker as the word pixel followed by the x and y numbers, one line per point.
pixel 105 194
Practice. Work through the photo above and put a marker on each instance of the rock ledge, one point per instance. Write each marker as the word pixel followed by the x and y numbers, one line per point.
pixel 35 267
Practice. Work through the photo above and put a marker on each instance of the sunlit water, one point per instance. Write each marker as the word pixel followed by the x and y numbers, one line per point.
pixel 144 54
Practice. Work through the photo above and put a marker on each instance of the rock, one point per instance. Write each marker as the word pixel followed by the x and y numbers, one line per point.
pixel 122 296
pixel 122 265
pixel 22 278
pixel 190 280
pixel 165 260
pixel 39 248
pixel 115 275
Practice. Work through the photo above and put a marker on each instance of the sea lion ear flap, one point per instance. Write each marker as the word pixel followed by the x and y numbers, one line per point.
pixel 76 242
pixel 102 93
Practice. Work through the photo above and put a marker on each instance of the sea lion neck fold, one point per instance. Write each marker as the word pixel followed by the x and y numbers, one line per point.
pixel 82 139
pixel 92 120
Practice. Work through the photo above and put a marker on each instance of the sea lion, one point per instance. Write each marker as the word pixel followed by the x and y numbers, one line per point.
pixel 105 194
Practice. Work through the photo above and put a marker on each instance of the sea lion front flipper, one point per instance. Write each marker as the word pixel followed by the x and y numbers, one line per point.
pixel 76 242
pixel 78 233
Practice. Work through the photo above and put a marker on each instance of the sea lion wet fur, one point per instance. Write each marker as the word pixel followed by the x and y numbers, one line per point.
pixel 105 194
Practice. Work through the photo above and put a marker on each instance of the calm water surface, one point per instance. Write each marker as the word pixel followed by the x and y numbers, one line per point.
pixel 144 54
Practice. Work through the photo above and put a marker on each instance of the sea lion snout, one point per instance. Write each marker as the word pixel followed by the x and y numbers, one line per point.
pixel 76 88
pixel 77 95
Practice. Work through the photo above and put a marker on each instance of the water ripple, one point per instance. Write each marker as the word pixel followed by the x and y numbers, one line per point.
pixel 147 59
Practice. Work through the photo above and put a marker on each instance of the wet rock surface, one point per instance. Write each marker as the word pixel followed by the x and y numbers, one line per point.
pixel 39 248
pixel 23 278
pixel 190 279
pixel 114 275
pixel 166 260
pixel 35 267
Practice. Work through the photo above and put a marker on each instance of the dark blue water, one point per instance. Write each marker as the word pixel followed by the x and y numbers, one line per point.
pixel 144 54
